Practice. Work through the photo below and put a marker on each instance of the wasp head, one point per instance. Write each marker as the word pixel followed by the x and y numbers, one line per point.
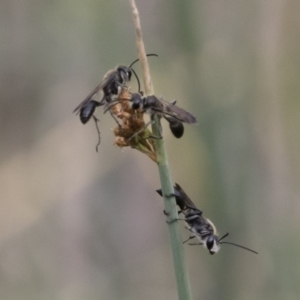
pixel 137 101
pixel 212 244
pixel 125 72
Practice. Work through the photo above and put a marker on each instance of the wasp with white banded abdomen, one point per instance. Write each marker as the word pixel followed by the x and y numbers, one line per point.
pixel 202 228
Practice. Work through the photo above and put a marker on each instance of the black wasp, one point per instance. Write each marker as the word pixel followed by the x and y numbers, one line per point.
pixel 157 106
pixel 202 228
pixel 111 87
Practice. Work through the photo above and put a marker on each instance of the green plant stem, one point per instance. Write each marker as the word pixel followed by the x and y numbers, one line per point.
pixel 183 286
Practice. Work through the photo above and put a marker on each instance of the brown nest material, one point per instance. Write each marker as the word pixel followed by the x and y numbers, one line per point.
pixel 132 121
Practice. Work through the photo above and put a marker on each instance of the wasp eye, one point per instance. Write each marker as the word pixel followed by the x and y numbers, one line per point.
pixel 135 105
pixel 125 72
pixel 128 73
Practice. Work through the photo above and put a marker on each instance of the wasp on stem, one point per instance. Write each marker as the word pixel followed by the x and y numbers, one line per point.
pixel 202 228
pixel 111 86
pixel 153 105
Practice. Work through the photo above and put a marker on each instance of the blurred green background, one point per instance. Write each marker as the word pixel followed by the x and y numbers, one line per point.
pixel 76 224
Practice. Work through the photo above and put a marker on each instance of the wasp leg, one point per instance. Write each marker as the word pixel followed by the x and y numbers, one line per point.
pixel 190 238
pixel 152 137
pixel 116 120
pixel 106 101
pixel 171 221
pixel 175 219
pixel 110 105
pixel 189 229
pixel 160 127
pixel 192 218
pixel 98 131
pixel 179 212
pixel 170 195
pixel 139 131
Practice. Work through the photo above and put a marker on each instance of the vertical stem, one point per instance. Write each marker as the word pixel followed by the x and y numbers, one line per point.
pixel 183 286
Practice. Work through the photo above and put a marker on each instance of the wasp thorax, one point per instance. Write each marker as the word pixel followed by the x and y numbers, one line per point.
pixel 151 100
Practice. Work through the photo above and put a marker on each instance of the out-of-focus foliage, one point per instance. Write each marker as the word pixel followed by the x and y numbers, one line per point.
pixel 76 224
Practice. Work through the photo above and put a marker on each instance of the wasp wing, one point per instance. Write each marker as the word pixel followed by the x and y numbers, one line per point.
pixel 107 79
pixel 174 111
pixel 184 199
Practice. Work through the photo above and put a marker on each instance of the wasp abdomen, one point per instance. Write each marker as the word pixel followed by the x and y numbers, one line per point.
pixel 87 111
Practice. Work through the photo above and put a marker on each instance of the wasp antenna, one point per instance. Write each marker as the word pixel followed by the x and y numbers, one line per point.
pixel 137 78
pixel 151 54
pixel 224 236
pixel 130 66
pixel 110 105
pixel 239 246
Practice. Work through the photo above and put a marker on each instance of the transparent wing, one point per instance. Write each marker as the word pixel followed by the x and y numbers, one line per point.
pixel 107 79
pixel 188 203
pixel 174 111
